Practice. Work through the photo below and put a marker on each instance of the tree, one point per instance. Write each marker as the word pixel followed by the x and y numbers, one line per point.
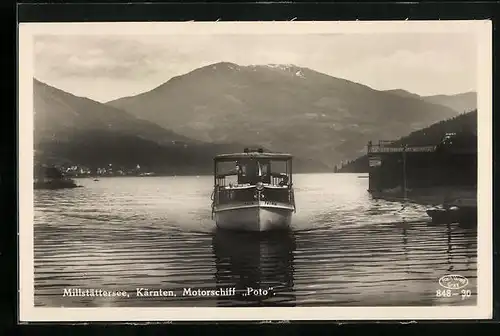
pixel 53 173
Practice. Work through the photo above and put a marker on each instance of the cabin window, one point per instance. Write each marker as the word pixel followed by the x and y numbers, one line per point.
pixel 242 170
pixel 227 172
pixel 279 172
pixel 245 172
pixel 252 171
pixel 278 167
pixel 225 168
pixel 265 170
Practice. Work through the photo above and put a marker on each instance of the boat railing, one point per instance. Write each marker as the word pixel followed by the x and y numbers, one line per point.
pixel 225 195
pixel 282 195
pixel 221 180
pixel 278 180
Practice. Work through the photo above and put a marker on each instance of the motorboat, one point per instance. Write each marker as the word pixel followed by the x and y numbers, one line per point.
pixel 253 191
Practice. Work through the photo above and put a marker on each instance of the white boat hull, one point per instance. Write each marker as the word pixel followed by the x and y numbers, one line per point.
pixel 257 216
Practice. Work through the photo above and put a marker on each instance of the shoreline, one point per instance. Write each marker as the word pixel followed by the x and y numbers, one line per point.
pixel 184 175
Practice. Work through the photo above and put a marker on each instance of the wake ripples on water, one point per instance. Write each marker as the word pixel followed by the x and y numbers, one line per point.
pixel 344 249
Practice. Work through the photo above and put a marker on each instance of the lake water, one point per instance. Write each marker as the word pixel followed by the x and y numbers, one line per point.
pixel 344 248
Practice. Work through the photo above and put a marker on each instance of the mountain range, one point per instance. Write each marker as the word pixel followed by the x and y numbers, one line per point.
pixel 462 102
pixel 180 125
pixel 283 108
pixel 77 130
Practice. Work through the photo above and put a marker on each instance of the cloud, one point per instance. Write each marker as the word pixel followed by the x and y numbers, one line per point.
pixel 93 58
pixel 408 61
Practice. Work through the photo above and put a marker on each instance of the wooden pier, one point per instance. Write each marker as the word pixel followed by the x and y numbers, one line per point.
pixel 446 164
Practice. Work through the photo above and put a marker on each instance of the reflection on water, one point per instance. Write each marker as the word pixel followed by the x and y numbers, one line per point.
pixel 344 248
pixel 254 264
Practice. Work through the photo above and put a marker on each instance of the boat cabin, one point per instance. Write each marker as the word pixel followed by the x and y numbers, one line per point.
pixel 253 175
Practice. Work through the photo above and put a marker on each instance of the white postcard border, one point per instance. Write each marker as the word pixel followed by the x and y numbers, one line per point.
pixel 29 313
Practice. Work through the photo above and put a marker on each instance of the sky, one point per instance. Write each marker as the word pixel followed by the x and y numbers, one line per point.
pixel 108 67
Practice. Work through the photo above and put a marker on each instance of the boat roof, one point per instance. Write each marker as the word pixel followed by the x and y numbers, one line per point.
pixel 254 155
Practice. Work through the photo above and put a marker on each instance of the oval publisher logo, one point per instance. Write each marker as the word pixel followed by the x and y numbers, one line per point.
pixel 453 281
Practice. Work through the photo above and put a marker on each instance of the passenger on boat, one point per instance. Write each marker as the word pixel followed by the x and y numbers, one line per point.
pixel 252 172
pixel 245 174
pixel 284 181
pixel 263 172
pixel 237 169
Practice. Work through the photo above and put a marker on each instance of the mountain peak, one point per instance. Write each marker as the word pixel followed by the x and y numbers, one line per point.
pixel 277 66
pixel 227 64
pixel 288 68
pixel 281 66
pixel 222 66
pixel 403 93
